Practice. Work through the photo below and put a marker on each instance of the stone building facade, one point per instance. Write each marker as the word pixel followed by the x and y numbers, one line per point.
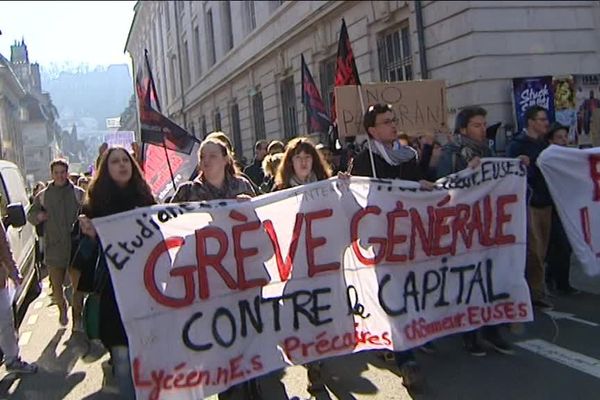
pixel 235 66
pixel 39 125
pixel 11 95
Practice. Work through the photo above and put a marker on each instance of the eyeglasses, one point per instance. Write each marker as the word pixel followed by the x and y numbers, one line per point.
pixel 388 121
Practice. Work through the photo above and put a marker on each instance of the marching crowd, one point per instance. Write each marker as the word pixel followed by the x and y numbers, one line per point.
pixel 63 208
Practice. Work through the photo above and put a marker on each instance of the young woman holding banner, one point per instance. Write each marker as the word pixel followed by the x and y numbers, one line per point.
pixel 303 164
pixel 219 179
pixel 117 187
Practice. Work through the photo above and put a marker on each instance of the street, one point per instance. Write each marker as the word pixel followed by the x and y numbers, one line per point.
pixel 556 357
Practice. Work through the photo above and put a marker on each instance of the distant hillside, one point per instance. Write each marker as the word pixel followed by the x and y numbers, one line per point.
pixel 101 93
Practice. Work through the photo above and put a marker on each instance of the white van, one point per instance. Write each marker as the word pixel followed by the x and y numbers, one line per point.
pixel 14 204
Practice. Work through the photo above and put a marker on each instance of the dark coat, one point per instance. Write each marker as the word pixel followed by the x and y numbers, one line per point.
pixel 537 190
pixel 255 172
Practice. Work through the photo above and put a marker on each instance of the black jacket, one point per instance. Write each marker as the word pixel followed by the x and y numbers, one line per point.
pixel 537 190
pixel 255 172
pixel 409 171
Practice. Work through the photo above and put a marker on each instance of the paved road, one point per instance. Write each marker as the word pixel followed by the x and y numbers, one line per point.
pixel 559 359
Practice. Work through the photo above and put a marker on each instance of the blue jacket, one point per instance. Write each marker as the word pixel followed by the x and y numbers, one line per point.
pixel 537 190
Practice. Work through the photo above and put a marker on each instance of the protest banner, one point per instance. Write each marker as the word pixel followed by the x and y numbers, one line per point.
pixel 120 138
pixel 215 293
pixel 419 106
pixel 573 178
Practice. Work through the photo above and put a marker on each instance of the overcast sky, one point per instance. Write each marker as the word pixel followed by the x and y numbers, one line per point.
pixel 90 32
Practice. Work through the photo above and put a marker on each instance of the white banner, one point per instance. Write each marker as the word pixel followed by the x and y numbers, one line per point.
pixel 212 294
pixel 573 178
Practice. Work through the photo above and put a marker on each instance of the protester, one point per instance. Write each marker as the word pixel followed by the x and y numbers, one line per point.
pixel 254 171
pixel 325 151
pixel 8 335
pixel 57 207
pixel 74 177
pixel 117 187
pixel 269 166
pixel 425 150
pixel 39 228
pixel 531 143
pixel 391 161
pixel 218 179
pixel 558 256
pixel 101 150
pixel 302 164
pixel 83 182
pixel 466 149
pixel 275 147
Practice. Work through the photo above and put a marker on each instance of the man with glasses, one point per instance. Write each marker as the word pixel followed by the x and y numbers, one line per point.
pixel 539 211
pixel 466 148
pixel 391 161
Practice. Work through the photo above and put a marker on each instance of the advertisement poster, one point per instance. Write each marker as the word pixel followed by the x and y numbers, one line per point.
pixel 528 92
pixel 564 104
pixel 588 109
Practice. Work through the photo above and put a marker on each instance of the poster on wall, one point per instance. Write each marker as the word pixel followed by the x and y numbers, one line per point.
pixel 587 105
pixel 528 92
pixel 564 104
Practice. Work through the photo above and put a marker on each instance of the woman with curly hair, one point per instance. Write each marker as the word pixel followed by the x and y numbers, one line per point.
pixel 117 187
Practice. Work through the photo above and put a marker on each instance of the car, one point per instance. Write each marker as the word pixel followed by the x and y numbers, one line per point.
pixel 14 204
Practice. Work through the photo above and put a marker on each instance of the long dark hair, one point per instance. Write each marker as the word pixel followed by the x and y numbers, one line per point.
pixel 103 192
pixel 286 168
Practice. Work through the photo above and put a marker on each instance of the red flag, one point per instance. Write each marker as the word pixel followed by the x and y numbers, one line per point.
pixel 156 128
pixel 164 143
pixel 316 116
pixel 345 72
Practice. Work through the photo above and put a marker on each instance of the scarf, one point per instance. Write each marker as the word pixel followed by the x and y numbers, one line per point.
pixel 294 181
pixel 470 148
pixel 394 156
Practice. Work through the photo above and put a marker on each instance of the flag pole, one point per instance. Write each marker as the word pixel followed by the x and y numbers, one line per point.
pixel 362 107
pixel 160 111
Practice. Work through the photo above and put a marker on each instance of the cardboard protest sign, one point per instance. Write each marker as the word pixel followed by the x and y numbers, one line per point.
pixel 419 106
pixel 573 178
pixel 213 294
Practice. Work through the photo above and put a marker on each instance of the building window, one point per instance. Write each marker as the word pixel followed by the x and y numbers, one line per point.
pixel 167 16
pixel 288 103
pixel 235 130
pixel 327 77
pixel 217 121
pixel 203 128
pixel 395 57
pixel 197 57
pixel 227 28
pixel 173 75
pixel 210 38
pixel 258 114
pixel 249 16
pixel 186 64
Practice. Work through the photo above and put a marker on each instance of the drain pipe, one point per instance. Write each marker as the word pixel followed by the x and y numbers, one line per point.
pixel 421 39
